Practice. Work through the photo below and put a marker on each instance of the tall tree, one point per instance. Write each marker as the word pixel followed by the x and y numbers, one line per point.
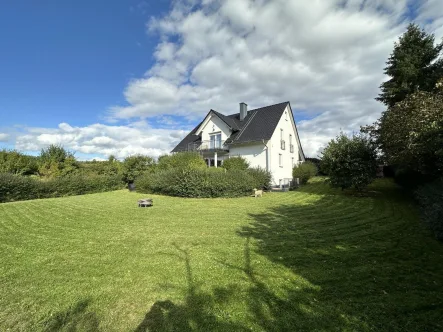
pixel 414 65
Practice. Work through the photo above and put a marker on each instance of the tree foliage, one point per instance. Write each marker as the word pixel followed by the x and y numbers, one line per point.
pixel 414 65
pixel 411 133
pixel 350 162
pixel 14 162
pixel 304 171
pixel 55 161
pixel 135 166
pixel 237 163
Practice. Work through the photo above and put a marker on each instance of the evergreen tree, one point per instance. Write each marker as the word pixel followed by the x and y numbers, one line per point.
pixel 414 65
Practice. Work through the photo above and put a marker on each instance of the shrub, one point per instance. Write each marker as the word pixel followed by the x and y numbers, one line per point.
pixel 262 178
pixel 350 161
pixel 135 166
pixel 55 161
pixel 237 163
pixel 197 182
pixel 18 163
pixel 430 198
pixel 16 188
pixel 304 171
pixel 180 160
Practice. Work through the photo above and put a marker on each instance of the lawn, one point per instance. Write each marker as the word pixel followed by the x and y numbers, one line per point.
pixel 314 259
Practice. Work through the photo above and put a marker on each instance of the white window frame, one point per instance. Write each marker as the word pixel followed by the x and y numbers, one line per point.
pixel 280 160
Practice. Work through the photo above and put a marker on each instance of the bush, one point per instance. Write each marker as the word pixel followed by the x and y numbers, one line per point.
pixel 237 163
pixel 262 178
pixel 18 163
pixel 304 171
pixel 16 188
pixel 135 166
pixel 180 160
pixel 350 162
pixel 197 182
pixel 430 198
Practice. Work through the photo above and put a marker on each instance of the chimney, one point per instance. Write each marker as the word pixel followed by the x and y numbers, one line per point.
pixel 243 111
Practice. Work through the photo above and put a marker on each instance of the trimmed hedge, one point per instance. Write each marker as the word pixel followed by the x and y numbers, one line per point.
pixel 262 178
pixel 430 198
pixel 198 183
pixel 18 188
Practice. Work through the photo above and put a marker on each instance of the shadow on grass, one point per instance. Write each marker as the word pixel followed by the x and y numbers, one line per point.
pixel 363 254
pixel 196 313
pixel 76 318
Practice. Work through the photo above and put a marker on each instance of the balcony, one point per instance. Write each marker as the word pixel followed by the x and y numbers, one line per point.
pixel 210 146
pixel 283 144
pixel 291 148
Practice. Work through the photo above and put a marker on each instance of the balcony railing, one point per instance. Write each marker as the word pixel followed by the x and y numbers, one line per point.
pixel 291 148
pixel 215 145
pixel 282 144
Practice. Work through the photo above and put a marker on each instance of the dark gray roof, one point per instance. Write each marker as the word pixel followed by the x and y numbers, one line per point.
pixel 258 125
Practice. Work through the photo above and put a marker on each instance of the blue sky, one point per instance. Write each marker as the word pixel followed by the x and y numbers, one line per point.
pixel 126 77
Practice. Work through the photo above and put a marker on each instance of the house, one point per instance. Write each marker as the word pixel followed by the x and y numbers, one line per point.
pixel 266 137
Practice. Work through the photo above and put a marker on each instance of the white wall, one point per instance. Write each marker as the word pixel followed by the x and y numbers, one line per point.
pixel 255 153
pixel 287 124
pixel 215 125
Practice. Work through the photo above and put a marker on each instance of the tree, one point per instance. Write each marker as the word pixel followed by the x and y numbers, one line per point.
pixel 136 165
pixel 414 65
pixel 304 171
pixel 350 161
pixel 56 161
pixel 411 133
pixel 17 163
pixel 237 163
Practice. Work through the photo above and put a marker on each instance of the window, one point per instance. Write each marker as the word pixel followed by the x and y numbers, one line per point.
pixel 286 115
pixel 293 162
pixel 291 147
pixel 290 139
pixel 281 134
pixel 280 160
pixel 282 141
pixel 215 141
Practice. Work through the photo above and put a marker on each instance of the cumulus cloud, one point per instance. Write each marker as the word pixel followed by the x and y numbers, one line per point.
pixel 102 140
pixel 4 137
pixel 326 57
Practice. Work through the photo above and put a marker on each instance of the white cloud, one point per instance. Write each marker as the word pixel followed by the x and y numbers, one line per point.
pixel 325 56
pixel 102 140
pixel 4 137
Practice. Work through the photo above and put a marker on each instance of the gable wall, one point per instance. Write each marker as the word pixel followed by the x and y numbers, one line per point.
pixel 285 171
pixel 214 125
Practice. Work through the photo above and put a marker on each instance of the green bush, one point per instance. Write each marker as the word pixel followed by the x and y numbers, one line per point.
pixel 135 166
pixel 15 162
pixel 180 160
pixel 350 161
pixel 197 182
pixel 430 198
pixel 262 178
pixel 304 171
pixel 237 163
pixel 17 188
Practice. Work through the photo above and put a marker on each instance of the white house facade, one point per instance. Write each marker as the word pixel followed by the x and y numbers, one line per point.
pixel 266 137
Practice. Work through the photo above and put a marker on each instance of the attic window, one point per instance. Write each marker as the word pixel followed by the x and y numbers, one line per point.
pixel 286 115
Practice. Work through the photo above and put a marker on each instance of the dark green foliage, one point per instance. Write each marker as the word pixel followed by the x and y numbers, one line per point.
pixel 15 162
pixel 55 161
pixel 180 160
pixel 197 182
pixel 430 198
pixel 414 65
pixel 109 167
pixel 262 178
pixel 135 166
pixel 17 188
pixel 350 161
pixel 304 171
pixel 237 163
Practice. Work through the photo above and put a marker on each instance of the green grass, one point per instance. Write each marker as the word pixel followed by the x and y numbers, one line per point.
pixel 314 259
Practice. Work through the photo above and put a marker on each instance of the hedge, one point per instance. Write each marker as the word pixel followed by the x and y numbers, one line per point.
pixel 209 182
pixel 17 188
pixel 304 171
pixel 430 198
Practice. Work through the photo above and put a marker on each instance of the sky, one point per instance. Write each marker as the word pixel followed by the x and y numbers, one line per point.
pixel 124 77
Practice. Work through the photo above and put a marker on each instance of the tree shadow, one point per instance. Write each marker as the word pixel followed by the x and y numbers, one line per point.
pixel 76 318
pixel 196 313
pixel 357 254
